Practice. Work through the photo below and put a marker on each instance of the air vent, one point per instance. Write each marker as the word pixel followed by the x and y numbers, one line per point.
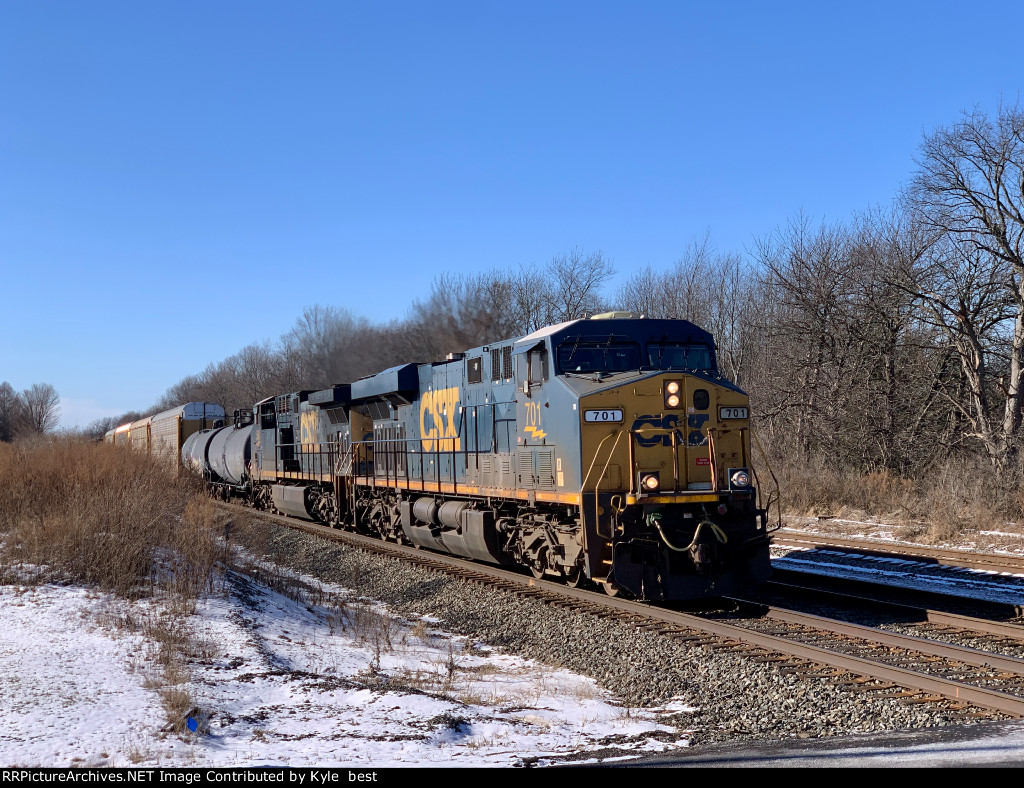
pixel 336 415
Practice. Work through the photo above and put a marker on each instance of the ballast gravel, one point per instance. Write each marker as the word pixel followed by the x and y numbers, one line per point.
pixel 736 699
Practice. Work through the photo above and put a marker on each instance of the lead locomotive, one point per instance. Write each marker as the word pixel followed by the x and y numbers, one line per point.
pixel 607 450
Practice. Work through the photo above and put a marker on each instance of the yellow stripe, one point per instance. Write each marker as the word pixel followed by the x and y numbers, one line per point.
pixel 469 489
pixel 677 498
pixel 429 487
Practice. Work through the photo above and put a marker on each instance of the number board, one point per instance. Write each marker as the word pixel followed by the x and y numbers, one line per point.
pixel 733 413
pixel 610 415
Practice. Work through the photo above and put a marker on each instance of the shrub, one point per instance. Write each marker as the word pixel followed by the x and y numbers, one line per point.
pixel 102 515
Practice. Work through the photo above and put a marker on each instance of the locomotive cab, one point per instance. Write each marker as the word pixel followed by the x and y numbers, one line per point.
pixel 668 500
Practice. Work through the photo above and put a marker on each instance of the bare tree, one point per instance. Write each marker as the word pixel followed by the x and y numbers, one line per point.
pixel 40 409
pixel 643 292
pixel 902 403
pixel 326 346
pixel 969 190
pixel 577 279
pixel 9 407
pixel 462 311
pixel 531 303
pixel 706 287
pixel 809 272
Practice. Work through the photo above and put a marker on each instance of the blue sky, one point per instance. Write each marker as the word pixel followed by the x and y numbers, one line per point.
pixel 178 180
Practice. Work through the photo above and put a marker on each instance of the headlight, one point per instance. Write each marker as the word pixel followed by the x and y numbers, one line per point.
pixel 650 482
pixel 672 394
pixel 740 478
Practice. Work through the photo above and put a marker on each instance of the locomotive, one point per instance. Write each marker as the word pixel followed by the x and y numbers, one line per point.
pixel 604 450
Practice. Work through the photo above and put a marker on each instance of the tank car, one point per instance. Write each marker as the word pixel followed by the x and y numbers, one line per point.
pixel 607 449
pixel 221 455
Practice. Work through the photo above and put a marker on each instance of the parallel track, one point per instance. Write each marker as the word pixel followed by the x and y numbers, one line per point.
pixel 796 650
pixel 992 562
pixel 914 615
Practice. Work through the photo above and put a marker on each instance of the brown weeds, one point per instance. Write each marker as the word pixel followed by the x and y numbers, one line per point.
pixel 104 516
pixel 955 497
pixel 108 517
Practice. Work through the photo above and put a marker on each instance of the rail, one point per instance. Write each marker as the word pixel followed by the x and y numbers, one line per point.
pixel 737 639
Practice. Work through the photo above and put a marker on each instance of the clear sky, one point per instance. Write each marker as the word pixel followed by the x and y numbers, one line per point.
pixel 180 179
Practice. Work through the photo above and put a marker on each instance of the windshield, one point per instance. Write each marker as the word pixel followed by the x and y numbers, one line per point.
pixel 594 357
pixel 679 355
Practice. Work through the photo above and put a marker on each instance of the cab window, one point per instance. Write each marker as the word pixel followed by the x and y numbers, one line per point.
pixel 538 361
pixel 679 355
pixel 594 357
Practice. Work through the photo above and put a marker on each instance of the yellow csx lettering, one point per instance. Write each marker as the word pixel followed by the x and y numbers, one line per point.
pixel 437 420
pixel 307 428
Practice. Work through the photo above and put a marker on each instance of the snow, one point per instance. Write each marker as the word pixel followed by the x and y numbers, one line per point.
pixel 314 678
pixel 1008 541
pixel 73 694
pixel 905 573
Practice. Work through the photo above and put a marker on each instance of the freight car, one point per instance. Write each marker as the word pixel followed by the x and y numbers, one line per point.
pixel 163 434
pixel 605 450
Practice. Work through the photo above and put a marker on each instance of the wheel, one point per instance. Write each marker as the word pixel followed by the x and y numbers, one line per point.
pixel 609 587
pixel 537 567
pixel 574 576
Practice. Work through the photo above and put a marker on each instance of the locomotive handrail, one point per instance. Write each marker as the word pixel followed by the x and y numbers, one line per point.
pixel 675 455
pixel 778 490
pixel 713 459
pixel 315 465
pixel 597 486
pixel 593 462
pixel 409 451
pixel 632 463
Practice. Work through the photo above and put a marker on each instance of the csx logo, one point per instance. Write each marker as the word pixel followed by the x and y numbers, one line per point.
pixel 437 420
pixel 665 426
pixel 307 428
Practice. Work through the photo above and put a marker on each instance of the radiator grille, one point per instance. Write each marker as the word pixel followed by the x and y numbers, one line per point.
pixel 545 470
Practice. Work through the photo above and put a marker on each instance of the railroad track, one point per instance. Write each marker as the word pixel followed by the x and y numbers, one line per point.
pixel 927 620
pixel 913 670
pixel 990 562
pixel 955 580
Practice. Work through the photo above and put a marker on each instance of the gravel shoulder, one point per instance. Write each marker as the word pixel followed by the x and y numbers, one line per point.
pixel 736 700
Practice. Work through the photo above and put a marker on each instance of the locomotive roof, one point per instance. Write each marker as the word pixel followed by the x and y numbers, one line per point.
pixel 638 328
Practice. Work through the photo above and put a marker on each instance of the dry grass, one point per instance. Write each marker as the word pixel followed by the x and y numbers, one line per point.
pixel 106 517
pixel 954 498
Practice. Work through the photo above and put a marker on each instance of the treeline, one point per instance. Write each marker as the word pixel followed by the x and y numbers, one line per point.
pixel 34 411
pixel 330 345
pixel 888 342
